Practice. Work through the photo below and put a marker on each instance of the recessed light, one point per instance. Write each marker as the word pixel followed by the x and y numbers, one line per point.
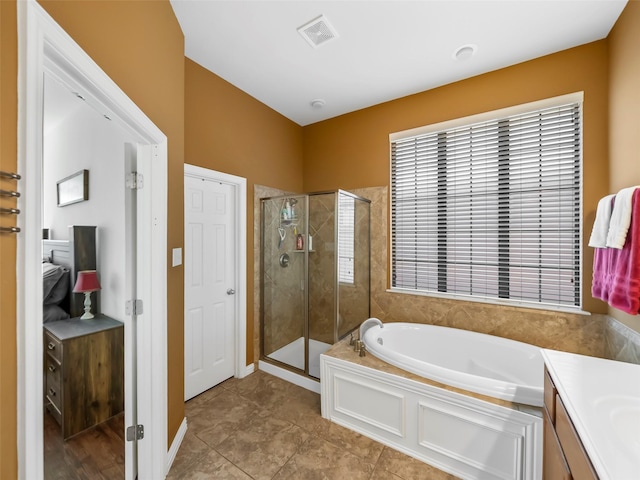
pixel 318 103
pixel 465 52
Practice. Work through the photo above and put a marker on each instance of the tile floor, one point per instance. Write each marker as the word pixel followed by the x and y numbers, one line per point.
pixel 262 428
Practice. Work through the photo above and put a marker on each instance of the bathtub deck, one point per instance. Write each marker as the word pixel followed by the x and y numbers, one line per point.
pixel 469 435
pixel 343 351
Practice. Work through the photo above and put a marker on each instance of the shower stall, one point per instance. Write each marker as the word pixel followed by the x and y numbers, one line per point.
pixel 315 275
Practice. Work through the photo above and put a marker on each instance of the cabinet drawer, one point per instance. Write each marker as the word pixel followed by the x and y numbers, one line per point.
pixel 53 346
pixel 53 410
pixel 53 394
pixel 550 393
pixel 572 446
pixel 52 369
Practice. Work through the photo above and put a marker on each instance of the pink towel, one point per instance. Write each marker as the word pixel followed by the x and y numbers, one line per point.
pixel 616 273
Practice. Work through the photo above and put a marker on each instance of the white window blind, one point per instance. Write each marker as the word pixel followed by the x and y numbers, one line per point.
pixel 491 210
pixel 346 237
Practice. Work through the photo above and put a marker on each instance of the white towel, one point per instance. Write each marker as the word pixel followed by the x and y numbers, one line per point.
pixel 620 218
pixel 601 224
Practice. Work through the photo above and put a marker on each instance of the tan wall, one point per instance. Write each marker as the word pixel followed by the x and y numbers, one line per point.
pixel 229 131
pixel 8 156
pixel 624 112
pixel 352 151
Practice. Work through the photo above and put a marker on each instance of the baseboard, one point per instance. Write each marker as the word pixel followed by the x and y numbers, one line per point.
pixel 290 377
pixel 249 369
pixel 175 445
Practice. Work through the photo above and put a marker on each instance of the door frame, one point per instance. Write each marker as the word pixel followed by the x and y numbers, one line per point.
pixel 241 369
pixel 43 46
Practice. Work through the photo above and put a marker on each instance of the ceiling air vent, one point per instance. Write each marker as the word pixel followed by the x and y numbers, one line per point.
pixel 318 31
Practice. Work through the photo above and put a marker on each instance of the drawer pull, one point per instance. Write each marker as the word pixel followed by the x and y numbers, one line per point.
pixel 52 368
pixel 52 392
pixel 51 346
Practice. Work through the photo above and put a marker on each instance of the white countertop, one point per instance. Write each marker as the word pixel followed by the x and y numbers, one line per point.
pixel 602 398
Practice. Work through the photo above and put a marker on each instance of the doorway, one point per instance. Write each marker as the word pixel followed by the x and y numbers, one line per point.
pixel 215 278
pixel 84 414
pixel 45 48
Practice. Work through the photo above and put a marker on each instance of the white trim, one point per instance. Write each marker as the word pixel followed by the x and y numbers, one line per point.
pixel 240 190
pixel 284 374
pixel 576 97
pixel 357 397
pixel 248 370
pixel 177 441
pixel 45 47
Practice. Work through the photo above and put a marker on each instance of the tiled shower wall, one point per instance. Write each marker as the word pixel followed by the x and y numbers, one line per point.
pixel 284 302
pixel 259 192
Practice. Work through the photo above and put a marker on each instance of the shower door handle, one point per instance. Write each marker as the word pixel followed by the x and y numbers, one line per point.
pixel 231 291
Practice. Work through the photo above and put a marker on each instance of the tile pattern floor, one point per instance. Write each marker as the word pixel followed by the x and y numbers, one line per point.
pixel 261 427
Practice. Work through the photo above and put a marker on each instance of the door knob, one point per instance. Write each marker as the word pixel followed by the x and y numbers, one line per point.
pixel 231 291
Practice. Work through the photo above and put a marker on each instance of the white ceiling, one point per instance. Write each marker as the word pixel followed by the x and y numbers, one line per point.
pixel 384 49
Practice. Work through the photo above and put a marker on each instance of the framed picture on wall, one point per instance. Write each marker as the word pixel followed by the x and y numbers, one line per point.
pixel 73 189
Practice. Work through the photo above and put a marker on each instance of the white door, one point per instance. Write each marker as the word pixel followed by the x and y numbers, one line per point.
pixel 209 279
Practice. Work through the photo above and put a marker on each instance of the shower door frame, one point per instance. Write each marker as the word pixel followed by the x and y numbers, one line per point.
pixel 336 286
pixel 305 326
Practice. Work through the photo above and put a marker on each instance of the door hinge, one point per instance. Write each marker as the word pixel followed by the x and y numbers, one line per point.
pixel 135 181
pixel 135 432
pixel 133 307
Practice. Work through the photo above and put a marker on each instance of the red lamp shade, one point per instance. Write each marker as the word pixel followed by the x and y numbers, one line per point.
pixel 87 282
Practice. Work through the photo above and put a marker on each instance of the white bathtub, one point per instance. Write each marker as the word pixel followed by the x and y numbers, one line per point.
pixel 469 437
pixel 485 364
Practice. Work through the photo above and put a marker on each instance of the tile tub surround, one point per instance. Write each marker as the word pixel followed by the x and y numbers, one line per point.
pixel 621 342
pixel 596 335
pixel 262 427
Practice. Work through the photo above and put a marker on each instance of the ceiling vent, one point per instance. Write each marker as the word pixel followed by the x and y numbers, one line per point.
pixel 318 31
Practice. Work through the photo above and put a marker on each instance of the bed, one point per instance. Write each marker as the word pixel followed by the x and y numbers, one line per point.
pixel 61 262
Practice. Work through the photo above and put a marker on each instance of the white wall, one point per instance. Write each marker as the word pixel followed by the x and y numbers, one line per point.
pixel 77 137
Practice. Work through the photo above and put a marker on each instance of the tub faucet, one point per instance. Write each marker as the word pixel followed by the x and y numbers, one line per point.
pixel 367 324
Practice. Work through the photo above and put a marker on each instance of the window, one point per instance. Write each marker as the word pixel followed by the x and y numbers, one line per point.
pixel 491 209
pixel 346 237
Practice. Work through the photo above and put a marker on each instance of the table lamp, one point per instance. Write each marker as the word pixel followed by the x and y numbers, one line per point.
pixel 87 282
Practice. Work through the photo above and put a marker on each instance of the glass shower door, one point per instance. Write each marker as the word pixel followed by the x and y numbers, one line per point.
pixel 322 277
pixel 284 279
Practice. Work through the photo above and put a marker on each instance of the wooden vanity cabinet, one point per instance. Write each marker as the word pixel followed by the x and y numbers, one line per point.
pixel 84 371
pixel 564 457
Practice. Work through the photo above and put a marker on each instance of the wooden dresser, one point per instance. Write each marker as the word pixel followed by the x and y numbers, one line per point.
pixel 84 371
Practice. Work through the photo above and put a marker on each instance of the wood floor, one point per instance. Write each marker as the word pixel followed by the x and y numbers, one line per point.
pixel 96 453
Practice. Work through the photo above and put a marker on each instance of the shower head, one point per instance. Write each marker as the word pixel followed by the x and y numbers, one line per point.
pixel 293 201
